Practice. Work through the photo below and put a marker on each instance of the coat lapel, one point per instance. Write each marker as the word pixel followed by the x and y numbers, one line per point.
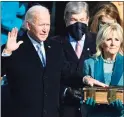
pixel 98 70
pixel 87 44
pixel 51 54
pixel 86 48
pixel 118 70
pixel 31 52
pixel 47 47
pixel 69 49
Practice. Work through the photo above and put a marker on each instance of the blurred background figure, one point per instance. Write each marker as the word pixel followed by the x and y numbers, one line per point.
pixel 120 7
pixel 105 12
pixel 11 16
pixel 103 66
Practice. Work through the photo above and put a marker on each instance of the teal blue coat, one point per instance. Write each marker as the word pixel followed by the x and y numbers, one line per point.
pixel 94 68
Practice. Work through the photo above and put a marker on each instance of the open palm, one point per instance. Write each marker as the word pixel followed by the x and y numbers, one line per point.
pixel 12 43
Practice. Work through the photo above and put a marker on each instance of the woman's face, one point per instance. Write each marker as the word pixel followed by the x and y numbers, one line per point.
pixel 112 44
pixel 105 19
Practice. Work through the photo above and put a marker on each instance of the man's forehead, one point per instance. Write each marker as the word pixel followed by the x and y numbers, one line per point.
pixel 41 15
pixel 82 14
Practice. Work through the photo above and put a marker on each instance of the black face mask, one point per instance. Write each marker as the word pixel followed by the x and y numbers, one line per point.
pixel 77 30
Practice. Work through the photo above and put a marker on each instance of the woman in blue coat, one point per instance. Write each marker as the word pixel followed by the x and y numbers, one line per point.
pixel 106 66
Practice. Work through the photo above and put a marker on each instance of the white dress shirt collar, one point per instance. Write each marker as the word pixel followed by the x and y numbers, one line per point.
pixel 35 43
pixel 71 39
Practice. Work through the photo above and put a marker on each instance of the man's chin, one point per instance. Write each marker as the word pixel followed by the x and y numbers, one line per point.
pixel 43 38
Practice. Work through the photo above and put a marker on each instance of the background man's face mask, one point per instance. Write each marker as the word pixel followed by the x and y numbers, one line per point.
pixel 77 30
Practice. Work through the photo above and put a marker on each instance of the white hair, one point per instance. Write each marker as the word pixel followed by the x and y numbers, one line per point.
pixel 32 12
pixel 75 7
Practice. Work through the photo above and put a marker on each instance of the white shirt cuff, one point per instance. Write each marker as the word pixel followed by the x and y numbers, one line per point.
pixel 5 54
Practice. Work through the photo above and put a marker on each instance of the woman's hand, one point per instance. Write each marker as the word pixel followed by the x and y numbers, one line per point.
pixel 88 80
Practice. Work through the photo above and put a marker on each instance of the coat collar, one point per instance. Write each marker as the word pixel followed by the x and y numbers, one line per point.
pixel 118 69
pixel 117 73
pixel 30 50
pixel 69 49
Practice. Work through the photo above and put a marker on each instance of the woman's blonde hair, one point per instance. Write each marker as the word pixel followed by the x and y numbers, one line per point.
pixel 103 34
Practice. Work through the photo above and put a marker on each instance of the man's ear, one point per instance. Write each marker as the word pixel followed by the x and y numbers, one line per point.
pixel 28 25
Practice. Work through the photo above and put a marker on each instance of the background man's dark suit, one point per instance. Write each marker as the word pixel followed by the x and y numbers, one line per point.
pixel 34 90
pixel 70 105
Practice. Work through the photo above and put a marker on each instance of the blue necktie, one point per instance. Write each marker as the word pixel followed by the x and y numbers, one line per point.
pixel 40 53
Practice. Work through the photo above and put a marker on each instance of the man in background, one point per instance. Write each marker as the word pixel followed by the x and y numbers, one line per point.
pixel 78 44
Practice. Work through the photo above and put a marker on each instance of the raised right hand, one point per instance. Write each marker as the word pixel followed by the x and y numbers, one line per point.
pixel 12 43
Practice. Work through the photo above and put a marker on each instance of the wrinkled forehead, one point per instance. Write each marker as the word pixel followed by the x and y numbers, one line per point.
pixel 114 34
pixel 81 14
pixel 41 16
